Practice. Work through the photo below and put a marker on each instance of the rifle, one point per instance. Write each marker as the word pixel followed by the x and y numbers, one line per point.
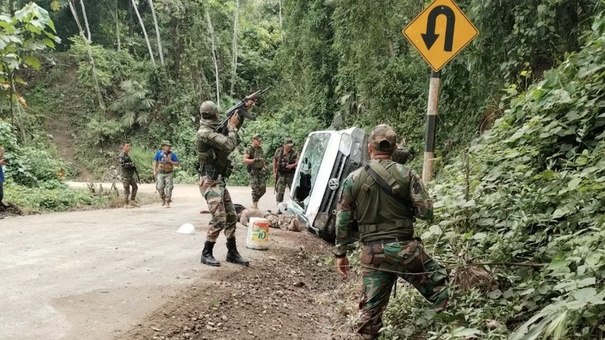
pixel 136 173
pixel 242 110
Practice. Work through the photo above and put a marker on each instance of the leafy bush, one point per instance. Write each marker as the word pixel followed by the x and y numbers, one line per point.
pixel 29 166
pixel 59 198
pixel 530 191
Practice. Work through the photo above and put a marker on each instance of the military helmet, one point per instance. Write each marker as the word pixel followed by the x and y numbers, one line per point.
pixel 208 109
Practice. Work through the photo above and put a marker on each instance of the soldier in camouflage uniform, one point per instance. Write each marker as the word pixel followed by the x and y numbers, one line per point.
pixel 385 197
pixel 128 170
pixel 284 166
pixel 213 149
pixel 255 159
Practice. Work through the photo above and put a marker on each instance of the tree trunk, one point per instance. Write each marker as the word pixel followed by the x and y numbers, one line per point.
pixel 118 27
pixel 130 20
pixel 11 7
pixel 157 32
pixel 280 21
pixel 90 57
pixel 85 20
pixel 234 49
pixel 214 58
pixel 136 10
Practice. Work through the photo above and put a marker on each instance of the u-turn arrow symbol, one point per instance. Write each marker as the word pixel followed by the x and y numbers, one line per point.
pixel 430 37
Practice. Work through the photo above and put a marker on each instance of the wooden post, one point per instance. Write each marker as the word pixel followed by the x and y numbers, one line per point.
pixel 431 126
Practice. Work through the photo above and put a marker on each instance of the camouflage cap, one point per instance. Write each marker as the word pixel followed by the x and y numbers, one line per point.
pixel 383 139
pixel 166 142
pixel 257 136
pixel 288 141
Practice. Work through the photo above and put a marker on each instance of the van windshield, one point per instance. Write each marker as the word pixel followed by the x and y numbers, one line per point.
pixel 311 159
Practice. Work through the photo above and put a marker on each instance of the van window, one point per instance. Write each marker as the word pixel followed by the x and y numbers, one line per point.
pixel 310 162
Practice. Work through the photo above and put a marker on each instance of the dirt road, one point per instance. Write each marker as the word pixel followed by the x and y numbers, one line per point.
pixel 110 273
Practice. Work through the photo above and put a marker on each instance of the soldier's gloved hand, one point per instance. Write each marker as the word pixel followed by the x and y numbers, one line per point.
pixel 342 266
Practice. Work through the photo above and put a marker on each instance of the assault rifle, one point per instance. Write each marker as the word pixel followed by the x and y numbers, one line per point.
pixel 242 110
pixel 136 172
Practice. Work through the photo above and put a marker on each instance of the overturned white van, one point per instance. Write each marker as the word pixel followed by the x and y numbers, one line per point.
pixel 326 160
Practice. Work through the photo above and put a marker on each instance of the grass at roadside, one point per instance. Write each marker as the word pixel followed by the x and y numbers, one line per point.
pixel 38 200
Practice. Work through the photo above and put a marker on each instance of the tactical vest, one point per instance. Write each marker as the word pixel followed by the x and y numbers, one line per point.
pixel 381 214
pixel 166 167
pixel 212 161
pixel 255 153
pixel 284 159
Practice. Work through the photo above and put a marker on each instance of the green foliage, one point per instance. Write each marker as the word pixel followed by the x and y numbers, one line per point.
pixel 531 190
pixel 60 198
pixel 28 32
pixel 112 67
pixel 142 157
pixel 134 103
pixel 28 166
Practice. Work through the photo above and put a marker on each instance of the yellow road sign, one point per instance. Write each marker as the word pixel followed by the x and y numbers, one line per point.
pixel 440 32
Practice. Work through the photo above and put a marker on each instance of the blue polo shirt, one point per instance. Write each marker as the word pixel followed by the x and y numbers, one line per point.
pixel 1 174
pixel 159 158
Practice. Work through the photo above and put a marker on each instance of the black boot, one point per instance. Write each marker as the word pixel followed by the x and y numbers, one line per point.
pixel 207 257
pixel 233 255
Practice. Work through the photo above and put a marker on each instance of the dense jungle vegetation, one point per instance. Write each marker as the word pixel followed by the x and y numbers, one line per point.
pixel 520 179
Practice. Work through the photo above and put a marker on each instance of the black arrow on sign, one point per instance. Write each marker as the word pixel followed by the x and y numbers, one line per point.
pixel 430 37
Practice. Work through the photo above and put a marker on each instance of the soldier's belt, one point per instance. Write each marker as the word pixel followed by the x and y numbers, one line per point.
pixel 369 228
pixel 389 240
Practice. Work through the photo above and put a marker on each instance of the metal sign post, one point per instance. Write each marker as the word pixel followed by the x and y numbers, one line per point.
pixel 439 33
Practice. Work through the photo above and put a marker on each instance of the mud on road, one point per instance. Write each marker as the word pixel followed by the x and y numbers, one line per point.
pixel 288 295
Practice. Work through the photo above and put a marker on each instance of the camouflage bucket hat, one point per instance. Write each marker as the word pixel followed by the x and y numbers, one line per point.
pixel 288 141
pixel 383 138
pixel 166 143
pixel 257 136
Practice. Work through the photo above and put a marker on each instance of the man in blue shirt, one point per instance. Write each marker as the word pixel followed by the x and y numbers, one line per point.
pixel 163 166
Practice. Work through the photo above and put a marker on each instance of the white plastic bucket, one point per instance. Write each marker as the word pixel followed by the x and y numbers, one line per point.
pixel 258 234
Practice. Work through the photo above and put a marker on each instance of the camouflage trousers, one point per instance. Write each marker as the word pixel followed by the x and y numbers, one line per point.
pixel 129 182
pixel 382 264
pixel 163 185
pixel 283 180
pixel 220 206
pixel 258 183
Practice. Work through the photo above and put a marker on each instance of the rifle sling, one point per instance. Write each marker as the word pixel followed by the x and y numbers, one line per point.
pixel 373 169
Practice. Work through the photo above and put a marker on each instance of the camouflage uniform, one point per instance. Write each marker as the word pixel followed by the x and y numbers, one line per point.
pixel 213 149
pixel 284 176
pixel 128 170
pixel 283 222
pixel 389 249
pixel 258 175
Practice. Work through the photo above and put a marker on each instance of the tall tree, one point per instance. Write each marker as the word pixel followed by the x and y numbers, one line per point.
pixel 214 57
pixel 234 48
pixel 85 21
pixel 157 32
pixel 136 10
pixel 74 12
pixel 117 18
